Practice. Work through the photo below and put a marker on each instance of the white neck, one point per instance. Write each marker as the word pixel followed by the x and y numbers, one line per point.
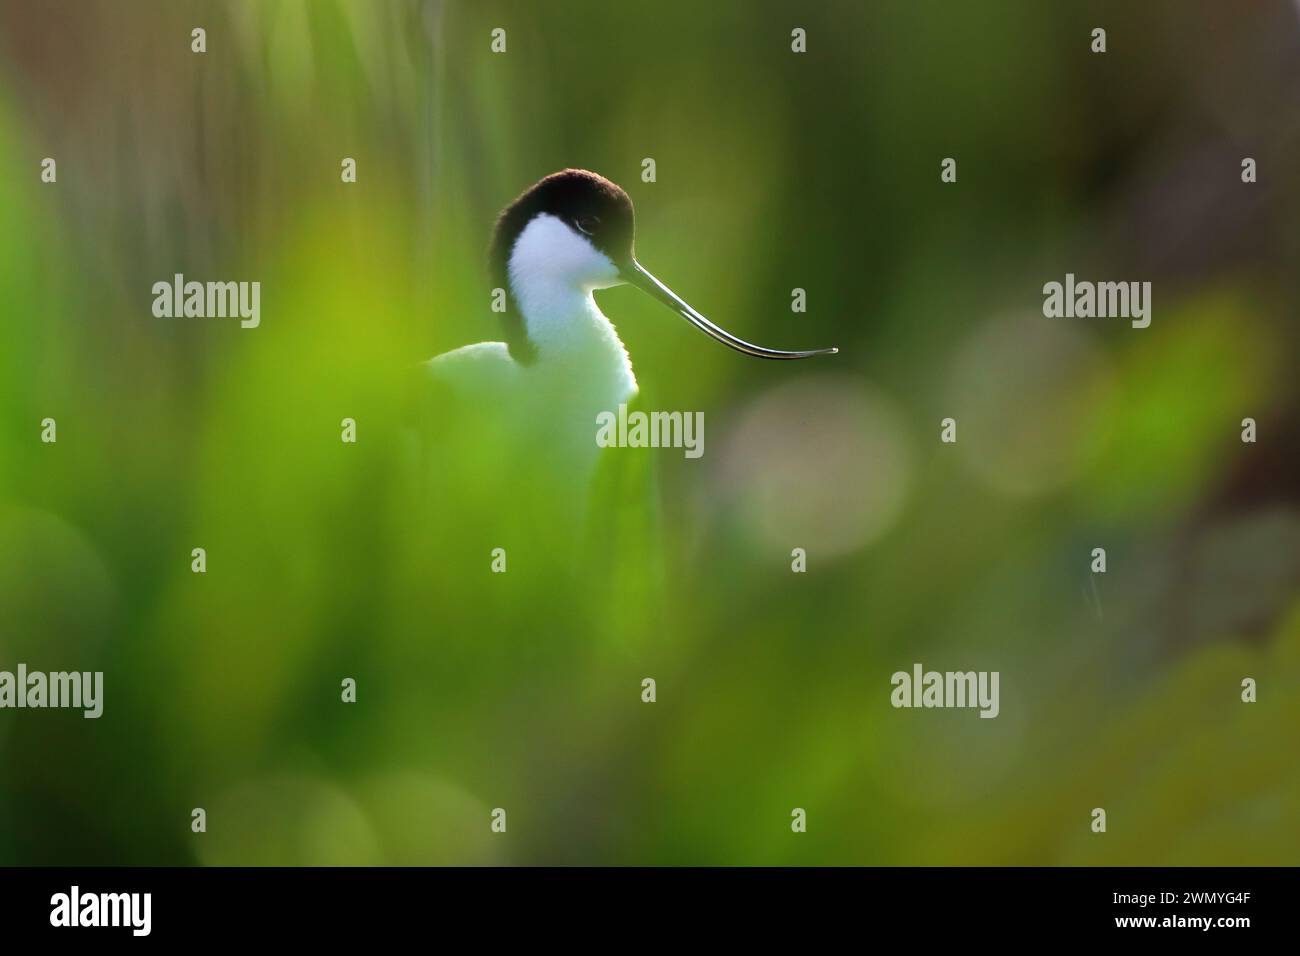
pixel 553 272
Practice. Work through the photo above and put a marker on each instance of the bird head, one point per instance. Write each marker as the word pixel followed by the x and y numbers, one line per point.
pixel 578 228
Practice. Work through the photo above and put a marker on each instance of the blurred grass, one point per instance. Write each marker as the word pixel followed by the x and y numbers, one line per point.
pixel 522 691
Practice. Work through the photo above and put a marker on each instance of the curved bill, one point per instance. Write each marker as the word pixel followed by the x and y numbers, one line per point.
pixel 638 276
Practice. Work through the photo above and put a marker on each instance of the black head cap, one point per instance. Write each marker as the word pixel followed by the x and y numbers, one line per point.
pixel 586 201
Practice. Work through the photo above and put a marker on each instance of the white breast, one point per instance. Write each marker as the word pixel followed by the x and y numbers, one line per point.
pixel 581 369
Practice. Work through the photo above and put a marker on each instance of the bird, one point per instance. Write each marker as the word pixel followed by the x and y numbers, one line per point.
pixel 505 453
pixel 562 362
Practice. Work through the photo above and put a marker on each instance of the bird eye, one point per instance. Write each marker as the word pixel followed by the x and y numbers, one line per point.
pixel 587 224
